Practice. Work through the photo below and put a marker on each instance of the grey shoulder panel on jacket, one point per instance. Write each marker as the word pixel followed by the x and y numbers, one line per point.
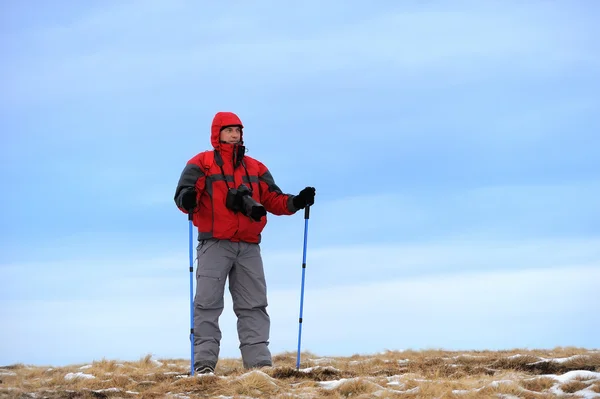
pixel 187 180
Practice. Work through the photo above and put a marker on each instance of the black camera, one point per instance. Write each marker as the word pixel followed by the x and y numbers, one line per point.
pixel 240 200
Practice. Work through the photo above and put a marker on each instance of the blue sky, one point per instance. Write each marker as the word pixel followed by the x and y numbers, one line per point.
pixel 454 148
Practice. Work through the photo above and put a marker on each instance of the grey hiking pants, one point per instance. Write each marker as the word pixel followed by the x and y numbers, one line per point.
pixel 242 263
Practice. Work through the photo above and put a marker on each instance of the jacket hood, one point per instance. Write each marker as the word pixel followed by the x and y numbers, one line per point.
pixel 220 120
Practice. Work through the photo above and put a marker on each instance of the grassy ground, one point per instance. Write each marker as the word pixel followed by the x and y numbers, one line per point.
pixel 560 372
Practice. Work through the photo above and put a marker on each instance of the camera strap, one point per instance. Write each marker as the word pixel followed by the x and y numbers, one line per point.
pixel 219 161
pixel 247 175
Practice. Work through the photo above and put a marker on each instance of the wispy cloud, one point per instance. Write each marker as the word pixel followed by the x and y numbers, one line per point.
pixel 371 263
pixel 417 214
pixel 470 309
pixel 509 308
pixel 420 213
pixel 106 54
pixel 140 271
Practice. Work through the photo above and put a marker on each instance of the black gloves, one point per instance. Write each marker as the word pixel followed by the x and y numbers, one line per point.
pixel 188 200
pixel 304 198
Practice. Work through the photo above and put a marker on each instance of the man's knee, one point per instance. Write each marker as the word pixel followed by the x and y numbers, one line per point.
pixel 243 302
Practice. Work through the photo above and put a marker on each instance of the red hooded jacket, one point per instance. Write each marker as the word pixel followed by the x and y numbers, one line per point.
pixel 203 173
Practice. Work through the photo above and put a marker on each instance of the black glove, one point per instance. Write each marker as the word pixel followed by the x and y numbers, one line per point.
pixel 188 200
pixel 257 213
pixel 304 198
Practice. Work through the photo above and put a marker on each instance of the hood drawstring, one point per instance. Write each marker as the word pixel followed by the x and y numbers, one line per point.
pixel 238 155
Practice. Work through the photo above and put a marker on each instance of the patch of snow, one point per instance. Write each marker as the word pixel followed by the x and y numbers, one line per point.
pixel 587 393
pixel 561 359
pixel 518 355
pixel 355 362
pixel 466 355
pixel 384 391
pixel 400 361
pixel 460 391
pixel 72 376
pixel 8 374
pixel 507 396
pixel 309 369
pixel 132 392
pixel 394 380
pixel 589 376
pixel 423 380
pixel 566 359
pixel 156 362
pixel 334 383
pixel 178 395
pixel 498 382
pixel 88 366
pixel 568 376
pixel 556 390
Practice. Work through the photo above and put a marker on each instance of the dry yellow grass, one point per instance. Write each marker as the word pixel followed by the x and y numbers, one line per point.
pixel 520 373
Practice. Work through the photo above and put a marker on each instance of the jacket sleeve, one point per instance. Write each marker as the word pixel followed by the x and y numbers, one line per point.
pixel 271 196
pixel 192 177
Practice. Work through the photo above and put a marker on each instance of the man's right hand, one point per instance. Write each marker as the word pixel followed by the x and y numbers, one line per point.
pixel 305 198
pixel 188 200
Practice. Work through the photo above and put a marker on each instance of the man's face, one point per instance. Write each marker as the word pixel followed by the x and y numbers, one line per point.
pixel 231 134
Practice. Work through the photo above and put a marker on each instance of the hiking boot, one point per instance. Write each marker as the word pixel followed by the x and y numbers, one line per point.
pixel 204 370
pixel 261 365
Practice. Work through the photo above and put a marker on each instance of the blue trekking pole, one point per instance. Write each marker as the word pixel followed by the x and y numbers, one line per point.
pixel 190 216
pixel 306 217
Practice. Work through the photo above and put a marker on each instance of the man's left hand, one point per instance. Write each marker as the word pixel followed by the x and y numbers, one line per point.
pixel 306 197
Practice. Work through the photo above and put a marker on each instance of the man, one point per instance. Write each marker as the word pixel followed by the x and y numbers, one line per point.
pixel 230 218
